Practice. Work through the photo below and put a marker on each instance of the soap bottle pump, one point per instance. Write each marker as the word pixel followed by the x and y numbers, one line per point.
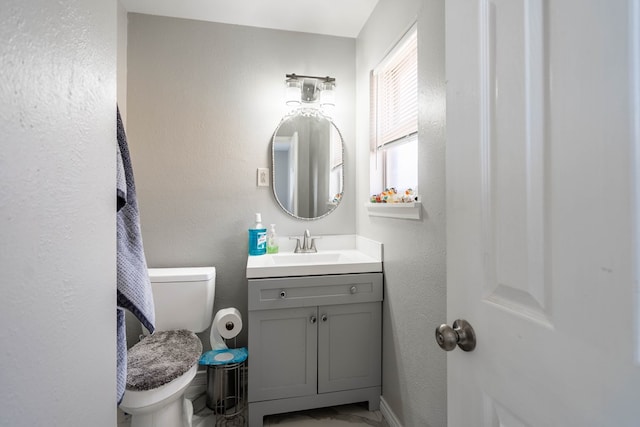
pixel 258 238
pixel 272 240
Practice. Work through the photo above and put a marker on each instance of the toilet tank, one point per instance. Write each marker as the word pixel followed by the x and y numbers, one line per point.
pixel 183 297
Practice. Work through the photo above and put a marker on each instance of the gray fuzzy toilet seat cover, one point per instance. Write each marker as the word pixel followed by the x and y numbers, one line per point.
pixel 161 358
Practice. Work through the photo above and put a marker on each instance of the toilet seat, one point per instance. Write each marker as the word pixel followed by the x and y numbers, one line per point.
pixel 161 358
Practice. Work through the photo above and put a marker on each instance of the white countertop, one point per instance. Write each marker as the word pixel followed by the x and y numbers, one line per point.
pixel 342 254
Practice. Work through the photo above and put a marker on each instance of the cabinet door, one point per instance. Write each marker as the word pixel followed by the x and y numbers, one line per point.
pixel 283 353
pixel 349 346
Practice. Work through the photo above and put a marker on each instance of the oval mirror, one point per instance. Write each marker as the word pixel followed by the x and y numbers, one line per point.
pixel 306 152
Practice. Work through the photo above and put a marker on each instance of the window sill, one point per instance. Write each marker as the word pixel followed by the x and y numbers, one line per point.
pixel 411 210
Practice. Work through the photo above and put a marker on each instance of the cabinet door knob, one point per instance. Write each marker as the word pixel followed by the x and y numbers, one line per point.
pixel 324 318
pixel 283 294
pixel 353 290
pixel 313 319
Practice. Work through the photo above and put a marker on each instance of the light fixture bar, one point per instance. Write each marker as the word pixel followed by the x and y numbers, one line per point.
pixel 326 79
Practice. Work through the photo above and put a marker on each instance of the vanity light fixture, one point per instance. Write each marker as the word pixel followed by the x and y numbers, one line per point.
pixel 310 90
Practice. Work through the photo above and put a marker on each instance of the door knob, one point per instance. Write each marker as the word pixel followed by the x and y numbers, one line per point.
pixel 461 334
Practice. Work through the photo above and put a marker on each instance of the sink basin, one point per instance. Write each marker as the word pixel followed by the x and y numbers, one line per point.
pixel 337 255
pixel 310 258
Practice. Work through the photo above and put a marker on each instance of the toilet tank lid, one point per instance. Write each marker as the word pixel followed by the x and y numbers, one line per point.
pixel 182 274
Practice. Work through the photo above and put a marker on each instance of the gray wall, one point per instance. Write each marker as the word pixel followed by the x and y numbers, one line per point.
pixel 203 101
pixel 57 213
pixel 414 368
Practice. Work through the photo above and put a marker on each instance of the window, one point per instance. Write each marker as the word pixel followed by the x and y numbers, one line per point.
pixel 394 118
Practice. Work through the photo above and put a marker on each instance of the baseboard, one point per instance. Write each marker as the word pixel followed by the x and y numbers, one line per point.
pixel 388 414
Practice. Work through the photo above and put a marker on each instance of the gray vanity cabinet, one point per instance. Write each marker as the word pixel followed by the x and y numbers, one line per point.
pixel 314 341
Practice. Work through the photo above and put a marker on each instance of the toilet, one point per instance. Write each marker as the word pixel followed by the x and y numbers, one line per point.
pixel 162 365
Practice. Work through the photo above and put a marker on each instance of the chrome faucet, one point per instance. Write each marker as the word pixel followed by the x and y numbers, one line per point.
pixel 308 243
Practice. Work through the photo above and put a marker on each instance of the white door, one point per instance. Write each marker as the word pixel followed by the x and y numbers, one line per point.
pixel 543 154
pixel 285 165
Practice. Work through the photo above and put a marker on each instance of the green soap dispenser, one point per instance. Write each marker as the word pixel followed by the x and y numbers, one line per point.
pixel 272 240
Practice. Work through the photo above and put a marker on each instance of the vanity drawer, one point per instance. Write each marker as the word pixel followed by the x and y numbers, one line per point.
pixel 310 291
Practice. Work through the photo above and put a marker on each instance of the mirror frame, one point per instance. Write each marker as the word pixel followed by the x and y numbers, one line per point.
pixel 305 112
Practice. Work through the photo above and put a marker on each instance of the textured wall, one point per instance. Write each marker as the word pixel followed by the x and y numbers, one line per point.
pixel 122 62
pixel 57 213
pixel 414 368
pixel 203 102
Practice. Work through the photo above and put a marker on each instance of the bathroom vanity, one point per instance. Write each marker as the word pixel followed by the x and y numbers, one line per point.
pixel 315 338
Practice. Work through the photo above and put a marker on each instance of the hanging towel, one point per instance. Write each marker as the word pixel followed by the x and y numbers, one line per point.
pixel 121 357
pixel 133 286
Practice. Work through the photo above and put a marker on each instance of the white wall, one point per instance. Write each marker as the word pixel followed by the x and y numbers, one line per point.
pixel 122 61
pixel 203 102
pixel 57 213
pixel 414 368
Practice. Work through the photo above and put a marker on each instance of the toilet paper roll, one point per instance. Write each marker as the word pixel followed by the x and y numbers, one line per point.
pixel 227 324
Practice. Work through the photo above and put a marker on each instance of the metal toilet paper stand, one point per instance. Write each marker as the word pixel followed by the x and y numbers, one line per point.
pixel 226 382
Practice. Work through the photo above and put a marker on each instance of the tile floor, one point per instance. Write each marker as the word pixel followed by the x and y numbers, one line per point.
pixel 337 416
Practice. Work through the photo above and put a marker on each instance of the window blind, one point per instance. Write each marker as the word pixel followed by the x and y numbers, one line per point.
pixel 394 94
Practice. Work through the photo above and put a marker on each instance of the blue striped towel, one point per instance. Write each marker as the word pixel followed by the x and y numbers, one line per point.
pixel 133 286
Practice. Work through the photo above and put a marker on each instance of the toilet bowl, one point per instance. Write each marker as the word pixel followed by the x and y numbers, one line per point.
pixel 162 406
pixel 162 365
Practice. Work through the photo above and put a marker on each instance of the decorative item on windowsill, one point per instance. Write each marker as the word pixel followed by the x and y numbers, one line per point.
pixel 391 195
pixel 391 204
pixel 336 198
